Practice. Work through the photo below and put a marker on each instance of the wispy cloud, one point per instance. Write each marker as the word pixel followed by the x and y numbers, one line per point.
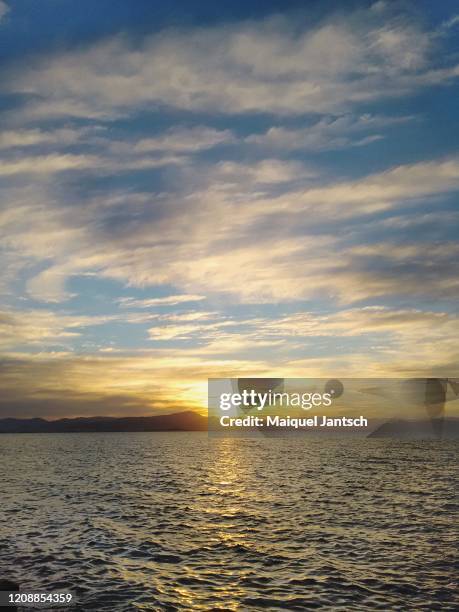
pixel 417 344
pixel 327 134
pixel 277 66
pixel 450 23
pixel 46 164
pixel 169 300
pixel 184 140
pixel 41 328
pixel 243 230
pixel 36 136
pixel 67 162
pixel 4 8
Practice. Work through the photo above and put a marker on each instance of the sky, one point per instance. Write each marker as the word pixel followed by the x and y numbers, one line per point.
pixel 190 190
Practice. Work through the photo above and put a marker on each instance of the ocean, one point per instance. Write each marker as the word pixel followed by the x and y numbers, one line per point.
pixel 178 521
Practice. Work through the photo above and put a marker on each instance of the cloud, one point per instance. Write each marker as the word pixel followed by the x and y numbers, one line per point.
pixel 67 162
pixel 376 192
pixel 170 300
pixel 73 385
pixel 327 134
pixel 267 171
pixel 170 332
pixel 260 232
pixel 46 164
pixel 184 140
pixel 400 323
pixel 392 342
pixel 200 325
pixel 107 155
pixel 281 247
pixel 276 66
pixel 450 23
pixel 4 8
pixel 41 328
pixel 33 137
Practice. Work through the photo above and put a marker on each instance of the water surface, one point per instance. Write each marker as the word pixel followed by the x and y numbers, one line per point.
pixel 177 521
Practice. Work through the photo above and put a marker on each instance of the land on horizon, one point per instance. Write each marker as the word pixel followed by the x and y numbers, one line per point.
pixel 192 421
pixel 254 188
pixel 178 421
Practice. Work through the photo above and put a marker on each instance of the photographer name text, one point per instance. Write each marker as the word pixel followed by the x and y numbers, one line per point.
pixel 292 422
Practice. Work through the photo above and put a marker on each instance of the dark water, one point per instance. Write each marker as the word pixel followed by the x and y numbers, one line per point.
pixel 155 521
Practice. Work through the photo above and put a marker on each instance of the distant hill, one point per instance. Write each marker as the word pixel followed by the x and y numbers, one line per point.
pixel 179 421
pixel 418 430
pixel 192 421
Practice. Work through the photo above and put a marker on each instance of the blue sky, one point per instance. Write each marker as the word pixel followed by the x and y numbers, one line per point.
pixel 190 190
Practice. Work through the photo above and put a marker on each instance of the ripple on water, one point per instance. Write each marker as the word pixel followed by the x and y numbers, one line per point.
pixel 177 521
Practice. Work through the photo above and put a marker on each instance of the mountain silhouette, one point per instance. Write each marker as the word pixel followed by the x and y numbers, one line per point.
pixel 179 421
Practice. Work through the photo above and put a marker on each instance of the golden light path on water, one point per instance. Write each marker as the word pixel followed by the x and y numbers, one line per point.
pixel 141 521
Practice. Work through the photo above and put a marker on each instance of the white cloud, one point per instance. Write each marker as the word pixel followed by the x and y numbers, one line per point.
pixel 46 164
pixel 327 133
pixel 274 66
pixel 267 171
pixel 419 344
pixel 450 23
pixel 184 140
pixel 4 8
pixel 170 147
pixel 170 300
pixel 63 162
pixel 377 192
pixel 401 323
pixel 34 137
pixel 41 328
pixel 243 230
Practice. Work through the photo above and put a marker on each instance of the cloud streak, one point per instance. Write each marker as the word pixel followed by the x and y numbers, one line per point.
pixel 247 231
pixel 276 66
pixel 4 9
